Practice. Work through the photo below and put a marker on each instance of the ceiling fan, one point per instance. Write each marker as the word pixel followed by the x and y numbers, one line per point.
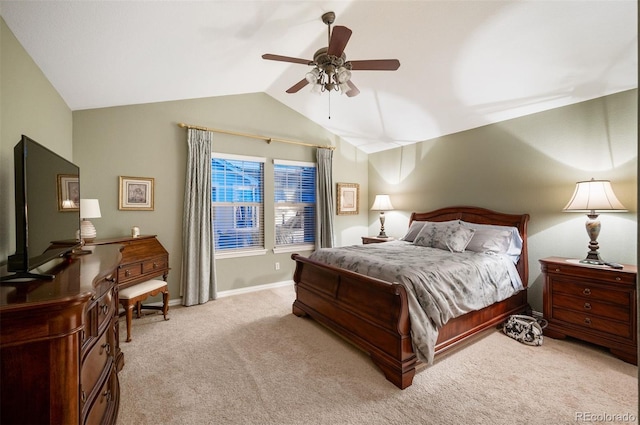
pixel 331 69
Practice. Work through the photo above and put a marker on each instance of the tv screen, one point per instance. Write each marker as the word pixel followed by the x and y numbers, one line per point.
pixel 47 201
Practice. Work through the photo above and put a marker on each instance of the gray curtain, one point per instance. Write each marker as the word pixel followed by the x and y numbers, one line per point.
pixel 324 203
pixel 198 266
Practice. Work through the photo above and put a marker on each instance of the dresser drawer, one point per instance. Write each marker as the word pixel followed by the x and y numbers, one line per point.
pixel 592 307
pixel 103 402
pixel 593 322
pixel 591 291
pixel 593 273
pixel 94 365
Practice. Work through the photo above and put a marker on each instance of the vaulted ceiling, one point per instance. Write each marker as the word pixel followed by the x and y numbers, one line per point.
pixel 464 64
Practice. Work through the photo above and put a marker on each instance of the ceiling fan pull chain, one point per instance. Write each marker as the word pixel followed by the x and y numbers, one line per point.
pixel 329 104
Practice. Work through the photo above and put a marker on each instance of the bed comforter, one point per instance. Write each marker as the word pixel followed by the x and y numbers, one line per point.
pixel 441 285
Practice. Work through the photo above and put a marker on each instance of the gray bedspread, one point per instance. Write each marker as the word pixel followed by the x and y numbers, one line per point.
pixel 440 285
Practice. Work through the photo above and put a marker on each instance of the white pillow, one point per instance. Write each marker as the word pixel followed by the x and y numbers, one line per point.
pixel 450 236
pixel 514 246
pixel 490 240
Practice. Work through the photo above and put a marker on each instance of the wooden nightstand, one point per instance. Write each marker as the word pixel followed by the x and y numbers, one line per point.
pixel 375 239
pixel 592 303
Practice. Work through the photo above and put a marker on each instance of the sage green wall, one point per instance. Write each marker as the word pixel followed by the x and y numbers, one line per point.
pixel 145 141
pixel 28 105
pixel 525 165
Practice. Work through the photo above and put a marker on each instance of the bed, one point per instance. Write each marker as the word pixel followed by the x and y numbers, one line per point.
pixel 374 314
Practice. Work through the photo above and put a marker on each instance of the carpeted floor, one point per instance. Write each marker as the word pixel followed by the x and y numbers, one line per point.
pixel 247 360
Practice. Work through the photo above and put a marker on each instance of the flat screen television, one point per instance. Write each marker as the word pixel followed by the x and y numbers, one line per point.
pixel 47 204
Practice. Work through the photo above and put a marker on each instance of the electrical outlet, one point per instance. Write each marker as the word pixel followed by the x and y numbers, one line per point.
pixel 277 266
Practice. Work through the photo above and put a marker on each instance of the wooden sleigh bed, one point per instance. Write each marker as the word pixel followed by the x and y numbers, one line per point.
pixel 374 314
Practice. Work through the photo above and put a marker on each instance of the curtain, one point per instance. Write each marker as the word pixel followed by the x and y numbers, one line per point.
pixel 198 266
pixel 324 203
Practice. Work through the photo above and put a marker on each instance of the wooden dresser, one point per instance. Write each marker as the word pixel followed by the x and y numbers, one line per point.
pixel 59 344
pixel 143 258
pixel 593 303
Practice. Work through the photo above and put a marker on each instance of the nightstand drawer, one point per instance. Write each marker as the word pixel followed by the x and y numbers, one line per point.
pixel 591 307
pixel 591 291
pixel 593 322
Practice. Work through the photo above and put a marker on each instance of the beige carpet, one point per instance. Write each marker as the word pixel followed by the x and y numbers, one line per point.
pixel 247 360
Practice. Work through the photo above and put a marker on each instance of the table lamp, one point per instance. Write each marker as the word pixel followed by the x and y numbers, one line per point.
pixel 382 203
pixel 89 208
pixel 593 197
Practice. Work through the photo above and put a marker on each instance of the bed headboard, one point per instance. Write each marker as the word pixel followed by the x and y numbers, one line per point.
pixel 484 216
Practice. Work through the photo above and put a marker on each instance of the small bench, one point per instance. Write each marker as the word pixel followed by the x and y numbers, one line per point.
pixel 134 295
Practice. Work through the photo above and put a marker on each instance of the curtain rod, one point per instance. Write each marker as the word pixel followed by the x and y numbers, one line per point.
pixel 253 136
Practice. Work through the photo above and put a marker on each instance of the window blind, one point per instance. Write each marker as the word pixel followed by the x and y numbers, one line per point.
pixel 295 202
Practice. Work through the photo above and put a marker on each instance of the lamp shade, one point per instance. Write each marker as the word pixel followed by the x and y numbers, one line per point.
pixel 594 195
pixel 89 208
pixel 382 203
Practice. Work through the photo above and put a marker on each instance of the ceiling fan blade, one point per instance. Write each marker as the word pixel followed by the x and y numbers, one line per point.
pixel 375 65
pixel 271 57
pixel 353 91
pixel 339 39
pixel 297 86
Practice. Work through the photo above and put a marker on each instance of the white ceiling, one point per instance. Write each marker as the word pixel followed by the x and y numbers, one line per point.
pixel 464 64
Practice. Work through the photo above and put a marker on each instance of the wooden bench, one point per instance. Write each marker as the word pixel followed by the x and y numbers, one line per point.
pixel 134 295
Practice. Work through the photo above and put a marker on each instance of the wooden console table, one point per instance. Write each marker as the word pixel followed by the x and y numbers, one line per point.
pixel 59 345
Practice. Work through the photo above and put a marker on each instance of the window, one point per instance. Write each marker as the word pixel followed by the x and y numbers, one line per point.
pixel 295 203
pixel 237 196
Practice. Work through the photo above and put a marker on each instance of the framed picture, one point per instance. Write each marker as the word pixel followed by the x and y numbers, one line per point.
pixel 348 198
pixel 135 193
pixel 68 192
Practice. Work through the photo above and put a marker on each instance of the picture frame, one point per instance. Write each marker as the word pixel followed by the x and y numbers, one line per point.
pixel 136 193
pixel 348 199
pixel 68 192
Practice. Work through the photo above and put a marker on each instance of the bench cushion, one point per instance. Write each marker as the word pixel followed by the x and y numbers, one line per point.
pixel 141 289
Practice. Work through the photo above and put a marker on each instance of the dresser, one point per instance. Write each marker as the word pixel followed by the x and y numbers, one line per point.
pixel 143 258
pixel 592 303
pixel 59 343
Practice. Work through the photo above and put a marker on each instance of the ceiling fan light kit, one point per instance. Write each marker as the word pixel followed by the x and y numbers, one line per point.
pixel 331 70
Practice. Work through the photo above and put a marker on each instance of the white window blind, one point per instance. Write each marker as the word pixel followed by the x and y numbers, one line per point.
pixel 295 202
pixel 237 196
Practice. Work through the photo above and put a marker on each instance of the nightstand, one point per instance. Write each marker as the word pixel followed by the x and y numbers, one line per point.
pixel 375 239
pixel 592 303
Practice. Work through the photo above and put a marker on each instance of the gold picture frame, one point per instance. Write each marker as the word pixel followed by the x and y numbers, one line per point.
pixel 68 192
pixel 136 193
pixel 348 199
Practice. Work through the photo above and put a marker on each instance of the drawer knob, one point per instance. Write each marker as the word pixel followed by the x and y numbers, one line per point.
pixel 557 269
pixel 587 306
pixel 107 394
pixel 104 308
pixel 586 291
pixel 127 273
pixel 107 347
pixel 587 321
pixel 155 265
pixel 618 278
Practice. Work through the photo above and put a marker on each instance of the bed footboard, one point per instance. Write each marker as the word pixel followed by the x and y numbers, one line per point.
pixel 371 313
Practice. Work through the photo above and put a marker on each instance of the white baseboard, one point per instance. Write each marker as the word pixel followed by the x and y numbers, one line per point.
pixel 230 292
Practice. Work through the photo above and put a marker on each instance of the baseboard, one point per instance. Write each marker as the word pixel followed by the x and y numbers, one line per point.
pixel 230 292
pixel 256 288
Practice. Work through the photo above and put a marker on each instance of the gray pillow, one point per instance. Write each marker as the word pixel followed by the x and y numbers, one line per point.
pixel 450 236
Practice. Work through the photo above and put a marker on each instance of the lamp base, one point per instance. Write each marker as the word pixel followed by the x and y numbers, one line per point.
pixel 87 231
pixel 382 235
